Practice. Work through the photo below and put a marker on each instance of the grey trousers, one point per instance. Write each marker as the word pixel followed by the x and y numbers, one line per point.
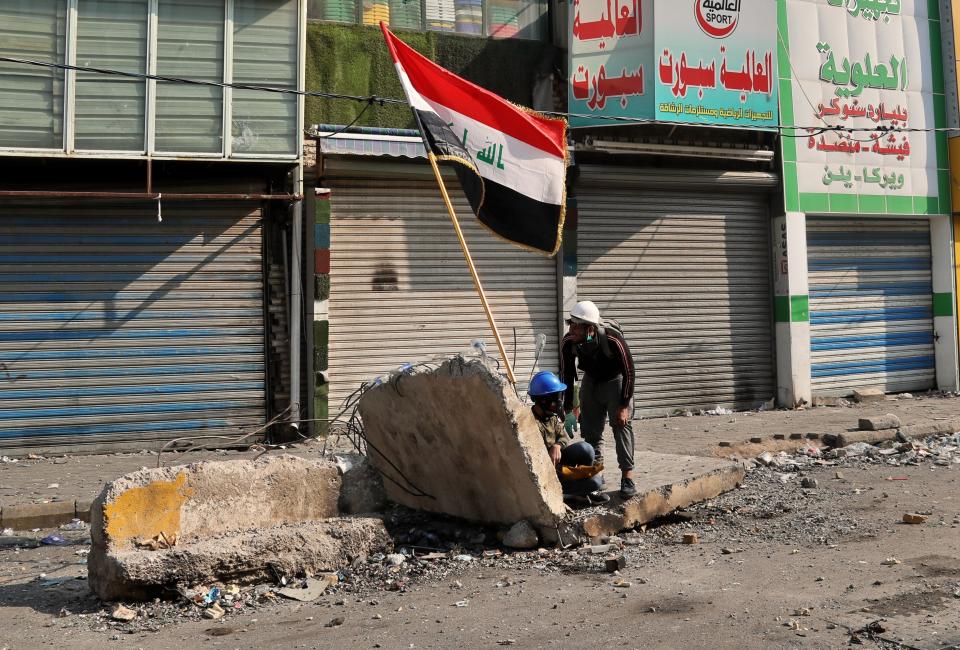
pixel 600 401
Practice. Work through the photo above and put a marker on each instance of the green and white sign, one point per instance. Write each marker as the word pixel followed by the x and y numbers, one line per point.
pixel 873 67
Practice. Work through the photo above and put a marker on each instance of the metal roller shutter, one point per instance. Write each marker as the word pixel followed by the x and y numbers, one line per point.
pixel 688 276
pixel 871 304
pixel 116 328
pixel 400 291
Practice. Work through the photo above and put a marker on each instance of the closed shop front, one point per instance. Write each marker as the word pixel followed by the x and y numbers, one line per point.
pixel 682 260
pixel 116 327
pixel 400 290
pixel 871 304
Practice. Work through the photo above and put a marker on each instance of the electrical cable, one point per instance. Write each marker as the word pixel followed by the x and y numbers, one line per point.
pixel 376 99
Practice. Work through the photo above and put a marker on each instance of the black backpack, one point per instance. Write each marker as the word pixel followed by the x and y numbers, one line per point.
pixel 608 324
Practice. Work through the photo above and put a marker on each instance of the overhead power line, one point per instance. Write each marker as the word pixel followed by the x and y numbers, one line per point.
pixel 795 131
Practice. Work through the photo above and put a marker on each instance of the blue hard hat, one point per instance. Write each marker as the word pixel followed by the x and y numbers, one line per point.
pixel 545 383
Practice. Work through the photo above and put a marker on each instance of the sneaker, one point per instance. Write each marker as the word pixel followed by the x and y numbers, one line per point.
pixel 598 497
pixel 627 488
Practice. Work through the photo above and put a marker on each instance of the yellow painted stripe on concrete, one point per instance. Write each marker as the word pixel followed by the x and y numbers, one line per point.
pixel 142 513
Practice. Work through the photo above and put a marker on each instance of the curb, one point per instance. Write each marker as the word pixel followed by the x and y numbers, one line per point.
pixel 44 515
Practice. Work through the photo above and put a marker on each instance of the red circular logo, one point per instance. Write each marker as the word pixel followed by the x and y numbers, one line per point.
pixel 717 18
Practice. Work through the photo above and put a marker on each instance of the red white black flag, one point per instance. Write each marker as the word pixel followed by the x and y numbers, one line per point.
pixel 512 161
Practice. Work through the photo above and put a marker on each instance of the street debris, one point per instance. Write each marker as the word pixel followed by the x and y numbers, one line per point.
pixel 615 563
pixel 310 588
pixel 158 542
pixel 913 518
pixel 521 535
pixel 121 613
pixel 691 538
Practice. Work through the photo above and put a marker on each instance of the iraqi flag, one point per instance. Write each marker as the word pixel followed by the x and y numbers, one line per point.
pixel 512 161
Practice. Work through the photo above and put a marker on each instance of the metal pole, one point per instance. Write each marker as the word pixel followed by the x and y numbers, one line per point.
pixel 296 297
pixel 473 269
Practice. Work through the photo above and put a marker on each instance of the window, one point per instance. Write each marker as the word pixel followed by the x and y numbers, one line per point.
pixel 111 113
pixel 31 98
pixel 111 34
pixel 265 54
pixel 504 18
pixel 516 18
pixel 190 44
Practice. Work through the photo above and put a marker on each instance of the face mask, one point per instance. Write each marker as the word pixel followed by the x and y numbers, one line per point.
pixel 589 337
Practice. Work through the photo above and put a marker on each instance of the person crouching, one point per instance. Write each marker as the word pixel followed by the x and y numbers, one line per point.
pixel 574 461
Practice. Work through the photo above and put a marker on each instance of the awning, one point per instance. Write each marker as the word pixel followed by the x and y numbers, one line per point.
pixel 368 141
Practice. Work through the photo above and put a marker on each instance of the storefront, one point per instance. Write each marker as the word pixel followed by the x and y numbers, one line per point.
pixel 681 259
pixel 400 291
pixel 117 327
pixel 871 304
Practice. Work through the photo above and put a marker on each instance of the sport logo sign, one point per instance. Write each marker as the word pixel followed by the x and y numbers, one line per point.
pixel 717 18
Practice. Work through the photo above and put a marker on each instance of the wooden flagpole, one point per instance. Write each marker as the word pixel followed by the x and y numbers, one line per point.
pixel 473 269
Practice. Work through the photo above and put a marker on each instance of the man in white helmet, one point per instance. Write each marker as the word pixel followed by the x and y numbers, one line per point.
pixel 606 390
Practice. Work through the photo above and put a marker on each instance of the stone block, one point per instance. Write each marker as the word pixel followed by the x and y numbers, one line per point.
pixel 865 395
pixel 870 437
pixel 879 422
pixel 925 429
pixel 243 558
pixel 457 440
pixel 231 521
pixel 37 515
pixel 615 563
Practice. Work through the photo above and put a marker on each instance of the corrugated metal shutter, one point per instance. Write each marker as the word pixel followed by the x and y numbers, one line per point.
pixel 400 291
pixel 688 276
pixel 115 327
pixel 871 304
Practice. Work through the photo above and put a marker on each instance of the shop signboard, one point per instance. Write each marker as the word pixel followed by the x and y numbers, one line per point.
pixel 862 85
pixel 693 61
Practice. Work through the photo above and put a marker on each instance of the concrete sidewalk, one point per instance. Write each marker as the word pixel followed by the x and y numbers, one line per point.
pixel 40 492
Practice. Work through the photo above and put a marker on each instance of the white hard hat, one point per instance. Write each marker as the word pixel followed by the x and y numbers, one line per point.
pixel 585 311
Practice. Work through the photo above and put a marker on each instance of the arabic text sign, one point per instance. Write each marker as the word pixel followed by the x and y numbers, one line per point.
pixel 716 62
pixel 611 54
pixel 867 65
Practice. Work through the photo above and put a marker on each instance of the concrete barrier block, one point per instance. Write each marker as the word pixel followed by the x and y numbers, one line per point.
pixel 229 520
pixel 457 440
pixel 879 422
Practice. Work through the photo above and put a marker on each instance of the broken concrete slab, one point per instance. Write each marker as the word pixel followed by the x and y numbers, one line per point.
pixel 869 437
pixel 907 432
pixel 457 440
pixel 879 422
pixel 237 521
pixel 243 558
pixel 664 483
pixel 864 395
pixel 925 429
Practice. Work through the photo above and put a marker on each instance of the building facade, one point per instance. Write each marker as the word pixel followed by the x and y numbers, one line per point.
pixel 761 222
pixel 149 205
